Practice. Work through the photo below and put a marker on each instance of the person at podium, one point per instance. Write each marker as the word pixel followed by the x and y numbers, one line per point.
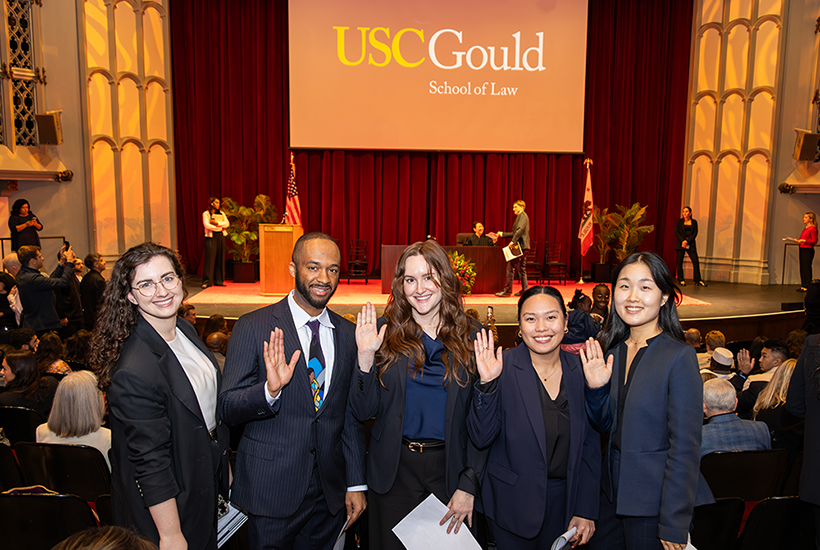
pixel 478 238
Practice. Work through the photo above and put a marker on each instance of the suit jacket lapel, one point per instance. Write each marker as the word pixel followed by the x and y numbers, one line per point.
pixel 170 366
pixel 575 394
pixel 522 370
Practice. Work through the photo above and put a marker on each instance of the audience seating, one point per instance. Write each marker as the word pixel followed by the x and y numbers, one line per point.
pixel 792 484
pixel 20 423
pixel 715 526
pixel 39 521
pixel 778 522
pixel 357 267
pixel 750 475
pixel 68 469
pixel 554 267
pixel 10 475
pixel 533 268
pixel 104 510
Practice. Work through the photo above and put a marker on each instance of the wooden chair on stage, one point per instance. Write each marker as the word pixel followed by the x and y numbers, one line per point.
pixel 461 237
pixel 357 260
pixel 533 268
pixel 554 268
pixel 20 423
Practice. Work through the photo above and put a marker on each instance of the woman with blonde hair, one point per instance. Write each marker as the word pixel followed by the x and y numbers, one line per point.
pixel 786 429
pixel 77 414
pixel 415 376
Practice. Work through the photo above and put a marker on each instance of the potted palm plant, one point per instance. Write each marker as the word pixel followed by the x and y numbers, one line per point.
pixel 243 234
pixel 603 239
pixel 629 231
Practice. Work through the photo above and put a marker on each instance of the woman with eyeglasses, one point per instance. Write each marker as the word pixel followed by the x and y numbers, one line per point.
pixel 169 455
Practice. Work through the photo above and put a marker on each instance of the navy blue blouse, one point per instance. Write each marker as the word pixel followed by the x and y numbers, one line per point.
pixel 425 397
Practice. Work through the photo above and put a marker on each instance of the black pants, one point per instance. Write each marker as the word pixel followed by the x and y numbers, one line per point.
pixel 553 525
pixel 614 532
pixel 693 255
pixel 806 258
pixel 512 266
pixel 214 270
pixel 419 474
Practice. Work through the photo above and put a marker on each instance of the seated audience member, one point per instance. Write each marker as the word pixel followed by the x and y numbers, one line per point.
pixel 8 320
pixel 108 537
pixel 24 385
pixel 77 414
pixel 707 375
pixel 580 324
pixel 720 364
pixel 24 338
pixel 215 323
pixel 50 356
pixel 489 323
pixel 748 385
pixel 692 337
pixel 478 238
pixel 812 304
pixel 75 350
pixel 217 342
pixel 714 339
pixel 600 303
pixel 786 429
pixel 795 341
pixel 92 288
pixel 12 265
pixel 723 430
pixel 187 312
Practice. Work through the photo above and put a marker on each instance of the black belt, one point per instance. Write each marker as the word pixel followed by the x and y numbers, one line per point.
pixel 421 446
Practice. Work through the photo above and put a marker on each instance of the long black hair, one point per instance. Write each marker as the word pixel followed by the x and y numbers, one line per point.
pixel 615 330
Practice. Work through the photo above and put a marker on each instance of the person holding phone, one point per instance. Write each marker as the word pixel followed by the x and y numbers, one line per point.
pixel 23 225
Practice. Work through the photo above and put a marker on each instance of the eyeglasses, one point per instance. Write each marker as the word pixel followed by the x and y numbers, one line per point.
pixel 149 288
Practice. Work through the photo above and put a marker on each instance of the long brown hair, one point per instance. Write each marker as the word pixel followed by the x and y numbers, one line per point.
pixel 27 379
pixel 117 315
pixel 403 336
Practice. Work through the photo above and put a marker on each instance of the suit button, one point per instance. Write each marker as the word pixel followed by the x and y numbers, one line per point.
pixel 313 451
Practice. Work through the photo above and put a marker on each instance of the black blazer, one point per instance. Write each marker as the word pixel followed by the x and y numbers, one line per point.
pixel 521 231
pixel 803 401
pixel 369 398
pixel 680 236
pixel 659 473
pixel 275 458
pixel 92 288
pixel 37 296
pixel 160 445
pixel 509 421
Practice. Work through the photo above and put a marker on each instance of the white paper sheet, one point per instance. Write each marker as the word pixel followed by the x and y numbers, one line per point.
pixel 420 529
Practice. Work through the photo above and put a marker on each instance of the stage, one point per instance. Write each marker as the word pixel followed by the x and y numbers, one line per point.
pixel 741 311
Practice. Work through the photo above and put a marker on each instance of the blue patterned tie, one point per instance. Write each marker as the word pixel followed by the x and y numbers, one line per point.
pixel 316 365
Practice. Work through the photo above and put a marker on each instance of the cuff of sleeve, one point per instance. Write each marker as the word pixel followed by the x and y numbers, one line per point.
pixel 271 400
pixel 487 387
pixel 357 488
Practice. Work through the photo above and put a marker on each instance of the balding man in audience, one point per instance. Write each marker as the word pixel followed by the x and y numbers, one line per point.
pixel 217 342
pixel 12 265
pixel 714 339
pixel 723 430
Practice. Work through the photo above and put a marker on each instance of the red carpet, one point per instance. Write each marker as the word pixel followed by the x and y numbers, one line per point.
pixel 359 293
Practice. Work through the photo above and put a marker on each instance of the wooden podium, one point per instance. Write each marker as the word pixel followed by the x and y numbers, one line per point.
pixel 275 248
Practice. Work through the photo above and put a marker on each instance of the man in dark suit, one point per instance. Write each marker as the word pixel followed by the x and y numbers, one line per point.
pixel 68 303
pixel 520 236
pixel 724 431
pixel 36 290
pixel 91 288
pixel 300 463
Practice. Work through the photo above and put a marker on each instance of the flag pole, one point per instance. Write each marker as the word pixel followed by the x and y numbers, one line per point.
pixel 587 163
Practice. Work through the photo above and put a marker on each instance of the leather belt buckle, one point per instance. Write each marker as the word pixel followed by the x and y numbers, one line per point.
pixel 415 446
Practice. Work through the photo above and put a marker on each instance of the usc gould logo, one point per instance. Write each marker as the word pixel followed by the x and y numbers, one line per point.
pixel 445 50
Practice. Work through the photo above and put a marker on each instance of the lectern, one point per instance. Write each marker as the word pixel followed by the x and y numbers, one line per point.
pixel 276 244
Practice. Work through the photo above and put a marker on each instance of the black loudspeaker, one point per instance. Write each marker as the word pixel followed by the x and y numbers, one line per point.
pixel 49 129
pixel 805 146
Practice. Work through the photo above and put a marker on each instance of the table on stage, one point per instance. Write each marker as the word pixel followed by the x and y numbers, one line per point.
pixel 490 267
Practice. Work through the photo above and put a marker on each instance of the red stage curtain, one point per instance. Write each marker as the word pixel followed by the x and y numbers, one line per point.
pixel 230 102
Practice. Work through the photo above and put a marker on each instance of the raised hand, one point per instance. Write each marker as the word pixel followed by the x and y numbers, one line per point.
pixel 279 372
pixel 368 338
pixel 489 365
pixel 744 361
pixel 596 370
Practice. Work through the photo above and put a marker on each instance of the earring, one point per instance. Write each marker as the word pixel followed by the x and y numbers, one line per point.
pixel 520 335
pixel 566 330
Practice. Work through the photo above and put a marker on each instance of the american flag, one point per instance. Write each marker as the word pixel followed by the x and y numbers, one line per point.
pixel 293 211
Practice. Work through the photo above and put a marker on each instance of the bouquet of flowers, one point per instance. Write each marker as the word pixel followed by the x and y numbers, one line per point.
pixel 464 270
